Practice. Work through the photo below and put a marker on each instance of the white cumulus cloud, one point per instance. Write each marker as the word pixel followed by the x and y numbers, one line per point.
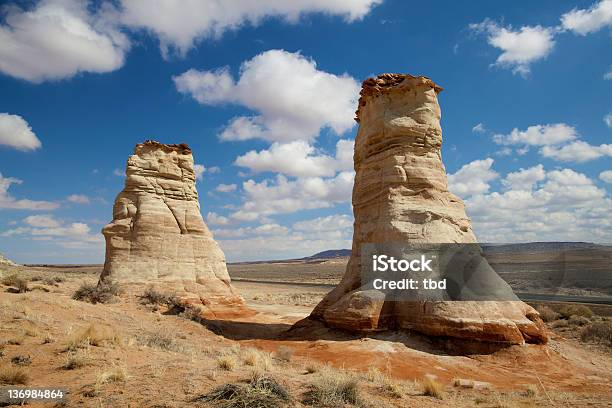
pixel 564 205
pixel 299 158
pixel 472 178
pixel 226 188
pixel 521 47
pixel 577 151
pixel 75 235
pixel 586 21
pixel 15 132
pixel 179 26
pixel 538 135
pixel 216 219
pixel 57 39
pixel 10 202
pixel 282 196
pixel 78 199
pixel 606 176
pixel 608 120
pixel 524 179
pixel 283 113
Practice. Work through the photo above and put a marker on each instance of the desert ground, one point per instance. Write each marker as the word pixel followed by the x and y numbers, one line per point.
pixel 137 350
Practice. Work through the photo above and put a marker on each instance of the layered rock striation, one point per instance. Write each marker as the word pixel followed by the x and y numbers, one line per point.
pixel 157 235
pixel 401 195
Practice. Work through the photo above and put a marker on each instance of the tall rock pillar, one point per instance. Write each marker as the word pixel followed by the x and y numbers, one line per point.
pixel 401 195
pixel 157 235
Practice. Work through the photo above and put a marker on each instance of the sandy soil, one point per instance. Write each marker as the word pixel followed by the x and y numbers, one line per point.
pixel 166 360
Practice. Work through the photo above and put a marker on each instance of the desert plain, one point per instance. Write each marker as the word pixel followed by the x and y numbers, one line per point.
pixel 138 350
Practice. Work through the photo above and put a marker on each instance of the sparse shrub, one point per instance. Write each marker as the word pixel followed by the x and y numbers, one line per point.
pixel 547 314
pixel 13 375
pixel 432 388
pixel 557 324
pixel 284 353
pixel 312 368
pixel 600 332
pixel 53 280
pixel 114 374
pixel 259 392
pixel 48 339
pixel 10 280
pixel 578 310
pixel 76 360
pixel 39 288
pixel 578 320
pixel 92 390
pixel 162 339
pixel 333 388
pixel 21 360
pixel 226 362
pixel 153 297
pixel 18 283
pixel 103 292
pixel 94 335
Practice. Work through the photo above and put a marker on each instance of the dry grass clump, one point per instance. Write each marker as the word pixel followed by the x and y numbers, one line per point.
pixel 531 391
pixel 226 362
pixel 259 392
pixel 547 314
pixel 333 388
pixel 94 335
pixel 598 332
pixel 76 360
pixel 577 310
pixel 284 353
pixel 114 374
pixel 18 283
pixel 386 384
pixel 432 388
pixel 256 358
pixel 103 292
pixel 13 375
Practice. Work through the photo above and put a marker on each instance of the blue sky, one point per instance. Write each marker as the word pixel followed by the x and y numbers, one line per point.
pixel 263 95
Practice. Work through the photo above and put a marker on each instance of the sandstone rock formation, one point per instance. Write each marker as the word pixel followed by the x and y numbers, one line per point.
pixel 5 261
pixel 157 235
pixel 401 195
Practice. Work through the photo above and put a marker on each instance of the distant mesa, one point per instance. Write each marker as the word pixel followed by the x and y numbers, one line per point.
pixel 329 254
pixel 158 236
pixel 401 195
